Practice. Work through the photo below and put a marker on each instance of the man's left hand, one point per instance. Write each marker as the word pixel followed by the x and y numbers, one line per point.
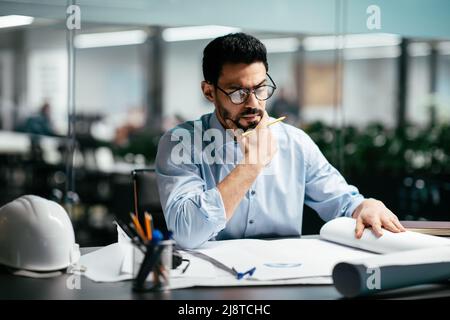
pixel 373 213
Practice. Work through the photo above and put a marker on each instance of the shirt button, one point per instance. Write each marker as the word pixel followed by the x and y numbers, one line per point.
pixel 251 221
pixel 253 192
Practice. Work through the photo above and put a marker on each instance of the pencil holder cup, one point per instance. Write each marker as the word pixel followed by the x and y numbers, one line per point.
pixel 151 266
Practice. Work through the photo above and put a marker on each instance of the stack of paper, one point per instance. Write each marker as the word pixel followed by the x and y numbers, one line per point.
pixel 435 228
pixel 110 264
pixel 279 259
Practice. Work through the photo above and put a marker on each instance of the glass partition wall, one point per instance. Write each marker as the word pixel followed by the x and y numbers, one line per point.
pixel 88 87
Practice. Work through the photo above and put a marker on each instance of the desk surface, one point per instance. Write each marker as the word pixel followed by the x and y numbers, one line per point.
pixel 15 287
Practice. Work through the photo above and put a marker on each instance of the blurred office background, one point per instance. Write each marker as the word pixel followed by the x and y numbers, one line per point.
pixel 81 108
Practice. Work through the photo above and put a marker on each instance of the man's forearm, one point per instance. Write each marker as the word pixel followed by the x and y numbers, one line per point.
pixel 236 184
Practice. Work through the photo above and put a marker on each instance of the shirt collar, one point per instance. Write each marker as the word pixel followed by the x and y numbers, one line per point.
pixel 215 123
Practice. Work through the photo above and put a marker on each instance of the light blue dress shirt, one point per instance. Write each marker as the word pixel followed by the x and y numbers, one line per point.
pixel 298 174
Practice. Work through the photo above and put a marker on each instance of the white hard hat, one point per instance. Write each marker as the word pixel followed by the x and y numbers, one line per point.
pixel 36 234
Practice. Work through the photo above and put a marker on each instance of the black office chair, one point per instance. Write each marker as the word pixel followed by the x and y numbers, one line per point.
pixel 146 197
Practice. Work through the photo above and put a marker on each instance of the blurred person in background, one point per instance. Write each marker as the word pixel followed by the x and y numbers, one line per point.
pixel 39 123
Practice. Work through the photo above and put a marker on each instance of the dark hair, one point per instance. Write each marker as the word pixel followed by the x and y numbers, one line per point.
pixel 231 48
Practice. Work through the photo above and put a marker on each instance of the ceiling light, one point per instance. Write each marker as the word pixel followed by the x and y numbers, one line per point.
pixel 15 21
pixel 110 39
pixel 279 45
pixel 196 32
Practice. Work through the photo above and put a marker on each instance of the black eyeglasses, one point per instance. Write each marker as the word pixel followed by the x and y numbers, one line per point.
pixel 262 92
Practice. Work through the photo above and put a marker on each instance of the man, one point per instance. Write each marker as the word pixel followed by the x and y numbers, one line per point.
pixel 276 169
pixel 40 123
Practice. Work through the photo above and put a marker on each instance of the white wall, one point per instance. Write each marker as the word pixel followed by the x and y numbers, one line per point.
pixel 443 88
pixel 109 80
pixel 6 88
pixel 370 88
pixel 182 77
pixel 418 98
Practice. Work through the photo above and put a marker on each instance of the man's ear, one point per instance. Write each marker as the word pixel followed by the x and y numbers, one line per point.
pixel 208 91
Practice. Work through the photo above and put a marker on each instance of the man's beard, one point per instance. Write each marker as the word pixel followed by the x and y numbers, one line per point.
pixel 248 111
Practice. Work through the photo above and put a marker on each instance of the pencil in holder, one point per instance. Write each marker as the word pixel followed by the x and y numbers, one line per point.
pixel 152 265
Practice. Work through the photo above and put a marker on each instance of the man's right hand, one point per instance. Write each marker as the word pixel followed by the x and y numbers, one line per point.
pixel 260 146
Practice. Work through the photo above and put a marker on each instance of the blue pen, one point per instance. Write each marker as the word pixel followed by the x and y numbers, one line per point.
pixel 240 275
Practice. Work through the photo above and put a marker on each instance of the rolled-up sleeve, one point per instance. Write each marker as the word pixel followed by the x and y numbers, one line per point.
pixel 326 190
pixel 194 213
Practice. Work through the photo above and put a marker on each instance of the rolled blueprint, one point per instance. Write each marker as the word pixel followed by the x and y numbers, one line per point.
pixel 392 271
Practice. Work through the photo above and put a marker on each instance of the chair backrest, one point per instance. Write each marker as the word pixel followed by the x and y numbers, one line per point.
pixel 146 197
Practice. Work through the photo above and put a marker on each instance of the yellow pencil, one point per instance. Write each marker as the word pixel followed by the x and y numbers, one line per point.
pixel 148 225
pixel 139 229
pixel 245 134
